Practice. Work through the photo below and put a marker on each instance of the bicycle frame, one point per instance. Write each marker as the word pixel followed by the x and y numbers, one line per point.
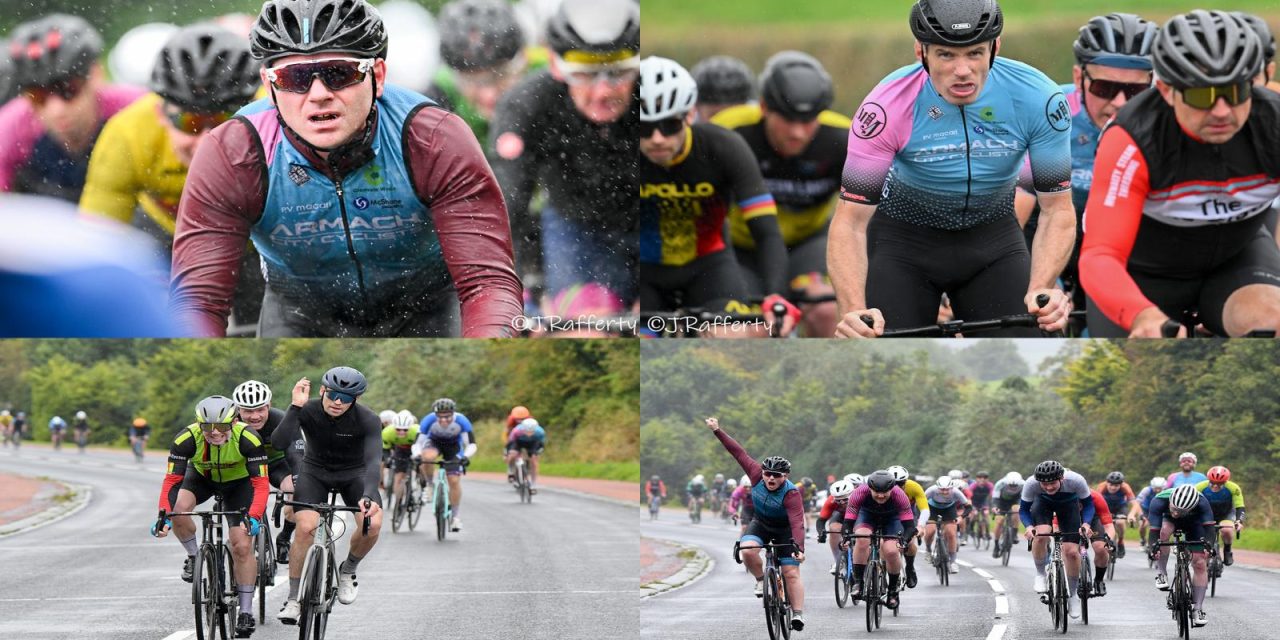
pixel 776 600
pixel 1180 598
pixel 1057 595
pixel 214 597
pixel 875 589
pixel 319 587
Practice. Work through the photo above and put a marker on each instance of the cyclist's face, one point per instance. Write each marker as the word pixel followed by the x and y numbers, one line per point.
pixel 217 438
pixel 445 419
pixel 1215 125
pixel 661 149
pixel 255 418
pixel 788 137
pixel 774 480
pixel 323 117
pixel 881 496
pixel 483 88
pixel 1187 464
pixel 1113 487
pixel 602 99
pixel 1051 487
pixel 958 73
pixel 71 121
pixel 333 408
pixel 1102 110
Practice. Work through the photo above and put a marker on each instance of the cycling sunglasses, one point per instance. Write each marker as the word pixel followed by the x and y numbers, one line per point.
pixel 1108 89
pixel 335 73
pixel 193 123
pixel 338 396
pixel 220 427
pixel 66 89
pixel 614 74
pixel 1204 98
pixel 773 474
pixel 669 127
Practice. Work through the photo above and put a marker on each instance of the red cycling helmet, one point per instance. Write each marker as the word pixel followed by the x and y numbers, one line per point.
pixel 1219 474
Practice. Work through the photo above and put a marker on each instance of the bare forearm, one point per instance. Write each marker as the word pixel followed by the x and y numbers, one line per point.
pixel 847 257
pixel 1054 239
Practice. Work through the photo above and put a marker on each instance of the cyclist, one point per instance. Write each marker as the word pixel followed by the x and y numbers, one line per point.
pixel 50 130
pixel 1103 527
pixel 694 492
pixel 6 419
pixel 655 491
pixel 919 508
pixel 139 433
pixel 571 131
pixel 365 224
pixel 81 427
pixel 343 451
pixel 516 416
pixel 1187 473
pixel 253 407
pixel 723 82
pixel 1185 509
pixel 979 494
pixel 1118 494
pixel 716 493
pixel 387 417
pixel 397 445
pixel 945 501
pixel 217 454
pixel 1144 499
pixel 809 489
pixel 1113 64
pixel 778 518
pixel 1064 494
pixel 1227 502
pixel 446 435
pixel 1006 494
pixel 946 197
pixel 57 426
pixel 692 173
pixel 730 487
pixel 880 505
pixel 740 504
pixel 531 438
pixel 831 517
pixel 19 428
pixel 800 146
pixel 1202 137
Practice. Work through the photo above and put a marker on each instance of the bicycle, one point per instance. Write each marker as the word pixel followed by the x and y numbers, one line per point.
pixel 213 593
pixel 980 529
pixel 82 440
pixel 875 581
pixel 139 445
pixel 777 601
pixel 407 503
pixel 264 550
pixel 844 572
pixel 1084 587
pixel 1057 594
pixel 524 485
pixel 1006 536
pixel 1111 560
pixel 319 586
pixel 655 502
pixel 1179 600
pixel 940 556
pixel 440 495
pixel 695 510
pixel 1215 568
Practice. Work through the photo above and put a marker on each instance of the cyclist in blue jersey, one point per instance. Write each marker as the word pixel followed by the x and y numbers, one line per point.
pixel 1186 473
pixel 446 435
pixel 936 149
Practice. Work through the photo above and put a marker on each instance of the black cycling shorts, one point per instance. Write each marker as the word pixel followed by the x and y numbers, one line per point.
pixel 531 445
pixel 943 514
pixel 278 470
pixel 708 282
pixel 313 484
pixel 439 316
pixel 236 495
pixel 763 533
pixel 401 460
pixel 805 257
pixel 1042 512
pixel 447 451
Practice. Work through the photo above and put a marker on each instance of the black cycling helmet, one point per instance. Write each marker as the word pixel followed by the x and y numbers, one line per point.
pixel 1206 48
pixel 796 86
pixel 956 23
pixel 339 26
pixel 777 464
pixel 478 34
pixel 880 481
pixel 444 405
pixel 984 474
pixel 207 69
pixel 595 31
pixel 1263 31
pixel 1116 40
pixel 1049 470
pixel 723 80
pixel 54 48
pixel 1115 477
pixel 346 380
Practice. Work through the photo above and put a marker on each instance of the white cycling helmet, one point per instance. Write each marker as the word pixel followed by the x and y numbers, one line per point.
pixel 1187 454
pixel 528 423
pixel 251 394
pixel 1184 498
pixel 841 489
pixel 946 482
pixel 80 415
pixel 855 479
pixel 387 416
pixel 956 473
pixel 899 473
pixel 405 420
pixel 413 44
pixel 1013 478
pixel 134 57
pixel 745 481
pixel 698 479
pixel 666 89
pixel 731 483
pixel 1159 483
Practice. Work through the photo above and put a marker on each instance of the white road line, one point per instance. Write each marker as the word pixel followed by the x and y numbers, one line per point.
pixel 984 573
pixel 997 632
pixel 507 593
pixel 181 635
pixel 996 586
pixel 1002 606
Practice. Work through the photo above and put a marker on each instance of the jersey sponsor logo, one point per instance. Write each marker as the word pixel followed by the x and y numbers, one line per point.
pixel 307 207
pixel 962 25
pixel 373 176
pixel 1122 176
pixel 509 146
pixel 1057 112
pixel 934 112
pixel 363 203
pixel 987 113
pixel 331 230
pixel 299 175
pixel 989 148
pixel 870 121
pixel 673 190
pixel 978 129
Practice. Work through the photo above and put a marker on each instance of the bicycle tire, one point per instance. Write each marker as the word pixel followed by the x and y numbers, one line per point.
pixel 842 581
pixel 442 522
pixel 1215 569
pixel 870 593
pixel 230 596
pixel 397 510
pixel 310 598
pixel 1086 588
pixel 1009 537
pixel 266 567
pixel 1062 594
pixel 1111 568
pixel 1184 596
pixel 202 597
pixel 415 503
pixel 771 617
pixel 783 605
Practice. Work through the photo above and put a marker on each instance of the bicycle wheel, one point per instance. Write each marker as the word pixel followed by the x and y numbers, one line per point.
pixel 230 596
pixel 203 598
pixel 415 504
pixel 398 510
pixel 1086 588
pixel 442 521
pixel 1215 569
pixel 1007 547
pixel 870 594
pixel 1111 567
pixel 522 480
pixel 1183 585
pixel 772 619
pixel 842 581
pixel 783 605
pixel 311 596
pixel 265 548
pixel 1061 594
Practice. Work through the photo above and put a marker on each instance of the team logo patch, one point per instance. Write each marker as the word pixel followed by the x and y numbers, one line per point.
pixel 978 129
pixel 988 114
pixel 362 203
pixel 1058 113
pixel 299 175
pixel 373 176
pixel 934 112
pixel 870 121
pixel 509 146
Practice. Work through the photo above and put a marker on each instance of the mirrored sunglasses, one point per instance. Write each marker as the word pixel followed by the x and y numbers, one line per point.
pixel 1204 98
pixel 335 73
pixel 338 396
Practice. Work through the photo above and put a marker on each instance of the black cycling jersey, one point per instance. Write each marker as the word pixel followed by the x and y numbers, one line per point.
pixel 81 425
pixel 351 441
pixel 274 416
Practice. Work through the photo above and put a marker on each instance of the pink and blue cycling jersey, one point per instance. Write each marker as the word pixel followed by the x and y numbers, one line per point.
pixel 925 161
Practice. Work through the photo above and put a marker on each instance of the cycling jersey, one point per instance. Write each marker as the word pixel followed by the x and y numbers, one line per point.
pixel 407 221
pixel 1144 498
pixel 1179 478
pixel 1224 500
pixel 390 440
pixel 862 503
pixel 274 454
pixel 529 433
pixel 459 431
pixel 939 501
pixel 239 458
pixel 351 442
pixel 32 161
pixel 1175 222
pixel 1073 489
pixel 145 432
pixel 1202 513
pixel 1006 492
pixel 57 425
pixel 1116 500
pixel 1101 513
pixel 804 187
pixel 925 161
pixel 979 493
pixel 831 507
pixel 780 508
pixel 80 425
pixel 915 493
pixel 656 488
pixel 695 489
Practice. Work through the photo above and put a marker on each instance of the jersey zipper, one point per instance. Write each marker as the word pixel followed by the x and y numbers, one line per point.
pixel 351 248
pixel 968 162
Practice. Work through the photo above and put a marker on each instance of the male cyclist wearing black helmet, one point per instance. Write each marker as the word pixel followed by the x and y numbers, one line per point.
pixel 373 209
pixel 800 145
pixel 723 82
pixel 1184 509
pixel 936 150
pixel 1059 492
pixel 253 407
pixel 779 518
pixel 343 453
pixel 1182 179
pixel 49 130
pixel 446 436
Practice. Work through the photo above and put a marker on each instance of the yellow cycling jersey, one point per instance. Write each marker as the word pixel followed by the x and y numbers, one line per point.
pixel 804 187
pixel 915 493
pixel 133 164
pixel 1232 491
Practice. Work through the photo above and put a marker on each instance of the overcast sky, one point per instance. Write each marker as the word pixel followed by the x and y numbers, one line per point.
pixel 1033 350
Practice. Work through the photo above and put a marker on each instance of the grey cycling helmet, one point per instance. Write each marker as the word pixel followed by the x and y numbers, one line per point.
pixel 251 394
pixel 207 69
pixel 478 34
pixel 1115 477
pixel 880 481
pixel 795 85
pixel 444 405
pixel 595 31
pixel 1206 48
pixel 1263 31
pixel 52 49
pixel 289 27
pixel 956 23
pixel 723 80
pixel 1116 40
pixel 216 410
pixel 346 380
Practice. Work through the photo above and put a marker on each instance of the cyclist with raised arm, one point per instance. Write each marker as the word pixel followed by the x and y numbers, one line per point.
pixel 1186 473
pixel 879 505
pixel 1006 495
pixel 723 82
pixel 1182 178
pixel 531 438
pixel 343 453
pixel 1121 504
pixel 253 407
pixel 81 426
pixel 1227 502
pixel 446 436
pixel 778 518
pixel 1062 495
pixel 947 505
pixel 936 150
pixel 1185 509
pixel 217 454
pixel 374 210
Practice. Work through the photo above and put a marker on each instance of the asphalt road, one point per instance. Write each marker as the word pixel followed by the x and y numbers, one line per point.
pixel 563 567
pixel 985 600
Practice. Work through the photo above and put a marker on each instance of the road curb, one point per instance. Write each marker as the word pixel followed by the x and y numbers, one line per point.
pixel 81 494
pixel 694 569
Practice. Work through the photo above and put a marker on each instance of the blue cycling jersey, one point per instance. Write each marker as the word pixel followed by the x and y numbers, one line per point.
pixel 460 427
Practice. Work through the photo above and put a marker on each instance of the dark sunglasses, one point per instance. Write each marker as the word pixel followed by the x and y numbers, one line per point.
pixel 773 474
pixel 1204 98
pixel 1108 89
pixel 669 127
pixel 66 89
pixel 220 427
pixel 194 123
pixel 338 396
pixel 335 73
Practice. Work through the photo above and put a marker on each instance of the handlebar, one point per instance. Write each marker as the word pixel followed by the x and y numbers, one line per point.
pixel 326 507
